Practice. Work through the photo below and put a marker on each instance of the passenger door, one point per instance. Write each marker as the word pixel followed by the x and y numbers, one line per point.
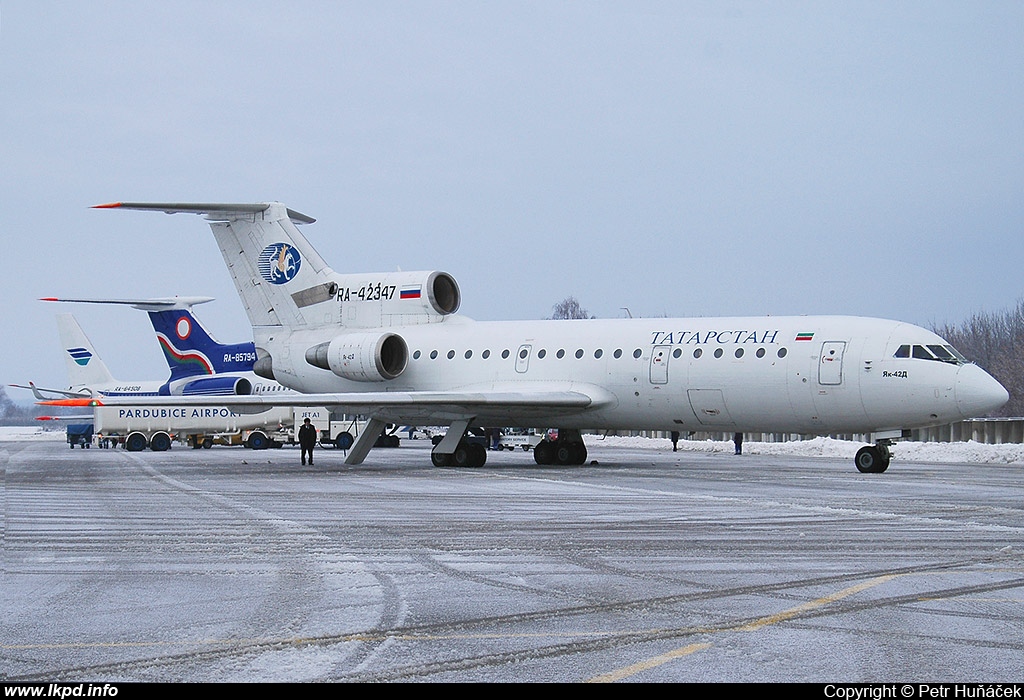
pixel 830 364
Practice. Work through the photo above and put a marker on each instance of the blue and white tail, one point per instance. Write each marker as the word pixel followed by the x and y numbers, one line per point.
pixel 187 346
pixel 85 368
pixel 191 351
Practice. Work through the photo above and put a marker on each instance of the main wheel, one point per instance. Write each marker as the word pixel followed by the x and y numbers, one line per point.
pixel 463 456
pixel 581 454
pixel 477 455
pixel 544 453
pixel 440 460
pixel 565 453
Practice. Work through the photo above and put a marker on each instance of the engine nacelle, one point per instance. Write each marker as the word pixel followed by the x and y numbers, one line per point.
pixel 389 299
pixel 264 365
pixel 216 386
pixel 443 293
pixel 362 357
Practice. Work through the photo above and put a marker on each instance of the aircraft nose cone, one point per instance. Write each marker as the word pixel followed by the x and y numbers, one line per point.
pixel 977 392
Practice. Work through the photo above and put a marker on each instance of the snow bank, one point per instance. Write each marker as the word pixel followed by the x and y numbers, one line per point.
pixel 10 433
pixel 965 452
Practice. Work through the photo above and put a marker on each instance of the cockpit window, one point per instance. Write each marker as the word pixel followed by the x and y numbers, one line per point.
pixel 942 353
pixel 956 353
pixel 937 353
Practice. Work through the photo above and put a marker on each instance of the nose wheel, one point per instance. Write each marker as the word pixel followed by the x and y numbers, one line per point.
pixel 873 459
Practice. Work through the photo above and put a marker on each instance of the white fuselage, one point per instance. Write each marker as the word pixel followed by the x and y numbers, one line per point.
pixel 390 346
pixel 812 375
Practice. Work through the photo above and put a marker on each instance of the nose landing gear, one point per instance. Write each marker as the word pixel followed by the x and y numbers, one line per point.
pixel 873 459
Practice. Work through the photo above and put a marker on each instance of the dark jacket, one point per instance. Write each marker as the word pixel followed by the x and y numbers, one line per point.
pixel 307 435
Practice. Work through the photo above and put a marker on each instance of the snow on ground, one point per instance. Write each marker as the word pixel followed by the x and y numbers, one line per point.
pixel 10 433
pixel 965 452
pixel 957 452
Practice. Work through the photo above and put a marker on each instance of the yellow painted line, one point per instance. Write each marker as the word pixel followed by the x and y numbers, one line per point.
pixel 811 605
pixel 648 664
pixel 609 677
pixel 655 661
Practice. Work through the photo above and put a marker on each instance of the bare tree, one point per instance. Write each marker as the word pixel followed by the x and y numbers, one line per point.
pixel 13 414
pixel 569 308
pixel 995 341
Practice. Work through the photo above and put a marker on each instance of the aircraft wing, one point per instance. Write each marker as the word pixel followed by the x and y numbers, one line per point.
pixel 504 407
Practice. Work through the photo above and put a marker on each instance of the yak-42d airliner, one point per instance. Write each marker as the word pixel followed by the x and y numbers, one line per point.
pixel 391 346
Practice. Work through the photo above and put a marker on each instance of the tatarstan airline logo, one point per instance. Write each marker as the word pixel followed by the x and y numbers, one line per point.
pixel 279 263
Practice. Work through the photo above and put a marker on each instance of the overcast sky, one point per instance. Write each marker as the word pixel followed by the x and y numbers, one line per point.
pixel 675 158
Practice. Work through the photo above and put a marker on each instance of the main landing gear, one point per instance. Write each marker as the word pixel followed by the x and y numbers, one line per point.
pixel 459 449
pixel 466 454
pixel 567 449
pixel 873 459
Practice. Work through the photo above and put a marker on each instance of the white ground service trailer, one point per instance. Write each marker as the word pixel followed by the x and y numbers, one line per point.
pixel 156 427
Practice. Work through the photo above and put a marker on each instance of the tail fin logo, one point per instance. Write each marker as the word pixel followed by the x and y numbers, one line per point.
pixel 183 328
pixel 278 263
pixel 187 361
pixel 81 356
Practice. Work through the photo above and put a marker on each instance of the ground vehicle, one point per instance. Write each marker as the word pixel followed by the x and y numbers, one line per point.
pixel 346 428
pixel 523 439
pixel 80 434
pixel 156 427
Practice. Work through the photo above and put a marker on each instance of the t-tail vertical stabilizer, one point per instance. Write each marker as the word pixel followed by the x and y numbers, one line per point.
pixel 187 345
pixel 189 348
pixel 85 368
pixel 283 281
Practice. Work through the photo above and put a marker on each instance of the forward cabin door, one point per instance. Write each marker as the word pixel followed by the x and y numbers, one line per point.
pixel 830 365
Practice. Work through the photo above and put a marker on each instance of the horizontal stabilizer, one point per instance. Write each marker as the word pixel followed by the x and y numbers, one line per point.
pixel 213 211
pixel 38 392
pixel 156 304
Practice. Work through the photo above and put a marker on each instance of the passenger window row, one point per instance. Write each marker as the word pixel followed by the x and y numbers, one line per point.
pixel 598 354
